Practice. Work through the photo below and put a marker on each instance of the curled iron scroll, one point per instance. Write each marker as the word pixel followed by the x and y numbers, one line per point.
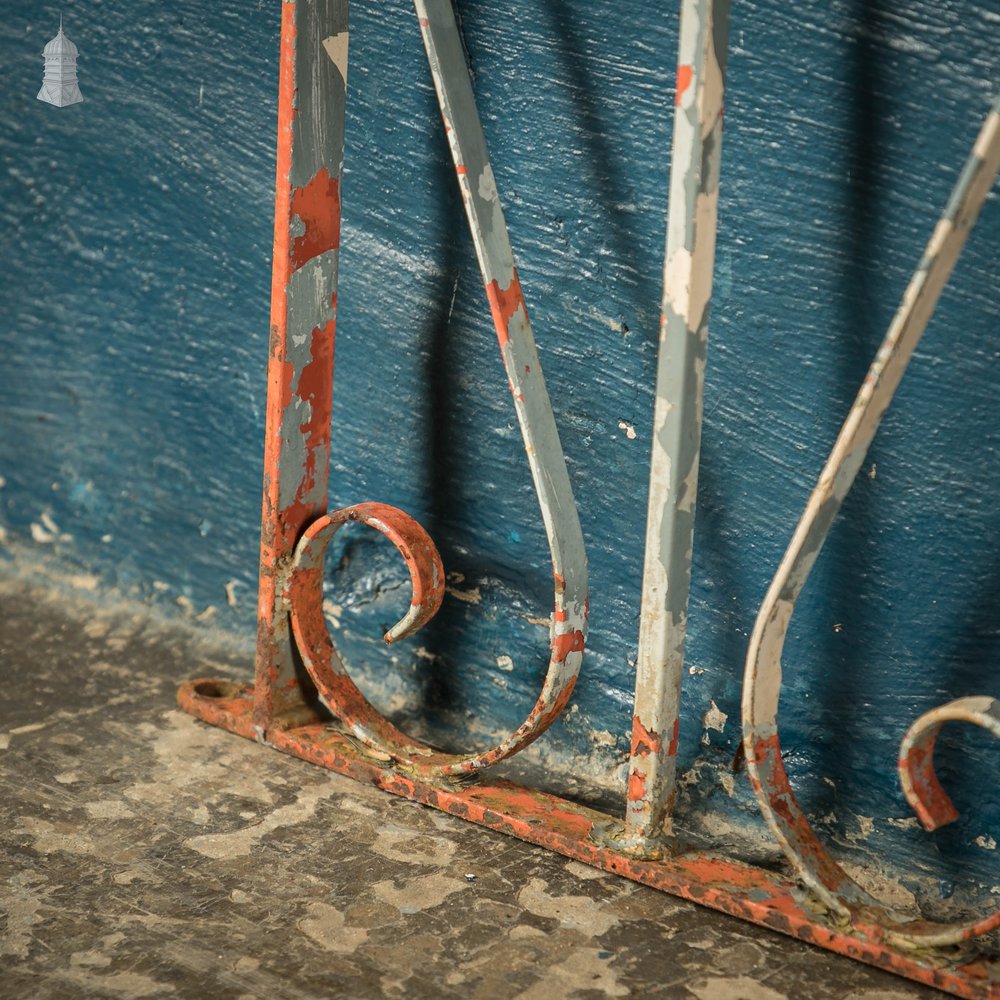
pixel 923 791
pixel 568 629
pixel 762 680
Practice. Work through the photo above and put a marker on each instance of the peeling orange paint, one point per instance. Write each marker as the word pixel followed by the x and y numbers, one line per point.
pixel 644 741
pixel 317 206
pixel 685 74
pixel 504 302
pixel 568 642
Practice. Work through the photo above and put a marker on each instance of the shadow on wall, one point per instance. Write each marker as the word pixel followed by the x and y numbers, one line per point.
pixel 441 376
pixel 605 168
pixel 849 577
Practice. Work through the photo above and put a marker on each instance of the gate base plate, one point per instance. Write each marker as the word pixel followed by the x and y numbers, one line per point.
pixel 734 887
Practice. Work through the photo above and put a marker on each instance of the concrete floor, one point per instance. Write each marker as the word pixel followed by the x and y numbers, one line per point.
pixel 147 855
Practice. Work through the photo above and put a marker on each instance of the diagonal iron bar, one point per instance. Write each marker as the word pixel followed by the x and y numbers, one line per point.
pixel 762 681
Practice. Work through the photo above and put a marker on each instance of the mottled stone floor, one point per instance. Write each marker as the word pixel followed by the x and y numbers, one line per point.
pixel 143 854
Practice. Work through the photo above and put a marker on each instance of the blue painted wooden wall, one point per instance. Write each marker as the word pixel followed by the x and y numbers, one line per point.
pixel 135 242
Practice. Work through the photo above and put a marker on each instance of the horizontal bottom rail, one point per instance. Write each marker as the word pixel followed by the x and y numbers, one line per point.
pixel 734 887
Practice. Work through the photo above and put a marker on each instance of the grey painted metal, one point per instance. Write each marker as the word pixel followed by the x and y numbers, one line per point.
pixel 477 183
pixel 762 681
pixel 687 287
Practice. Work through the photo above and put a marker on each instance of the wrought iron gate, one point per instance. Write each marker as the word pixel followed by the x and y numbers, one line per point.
pixel 303 700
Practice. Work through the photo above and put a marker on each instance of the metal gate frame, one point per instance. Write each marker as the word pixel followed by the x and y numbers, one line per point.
pixel 303 701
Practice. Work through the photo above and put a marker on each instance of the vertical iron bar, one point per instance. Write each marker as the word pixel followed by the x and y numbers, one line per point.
pixel 687 289
pixel 311 100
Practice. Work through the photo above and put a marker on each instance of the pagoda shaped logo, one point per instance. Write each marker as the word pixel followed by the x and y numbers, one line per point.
pixel 59 86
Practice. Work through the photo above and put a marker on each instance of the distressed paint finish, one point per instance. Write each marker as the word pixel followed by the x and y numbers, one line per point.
pixel 603 471
pixel 362 744
pixel 689 262
pixel 920 784
pixel 326 667
pixel 763 670
pixel 339 874
pixel 578 832
pixel 359 741
pixel 300 393
pixel 477 183
pixel 167 328
pixel 311 99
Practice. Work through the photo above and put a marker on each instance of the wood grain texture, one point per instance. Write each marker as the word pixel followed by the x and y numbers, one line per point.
pixel 136 228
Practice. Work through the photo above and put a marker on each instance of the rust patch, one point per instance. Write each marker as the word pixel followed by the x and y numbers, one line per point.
pixel 685 74
pixel 636 786
pixel 674 737
pixel 504 302
pixel 317 206
pixel 644 742
pixel 568 642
